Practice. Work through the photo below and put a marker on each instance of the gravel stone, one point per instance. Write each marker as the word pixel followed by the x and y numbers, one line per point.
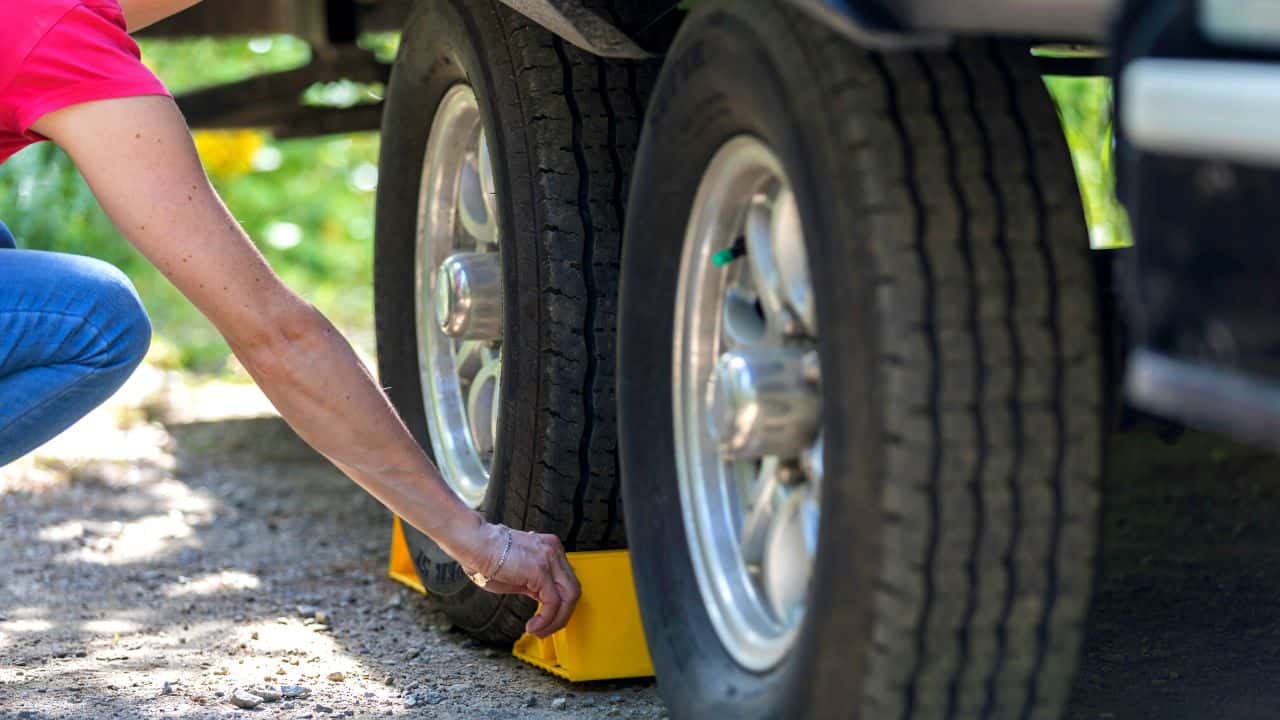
pixel 245 699
pixel 268 695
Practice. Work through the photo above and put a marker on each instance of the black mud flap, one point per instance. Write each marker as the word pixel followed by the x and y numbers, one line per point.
pixel 1198 147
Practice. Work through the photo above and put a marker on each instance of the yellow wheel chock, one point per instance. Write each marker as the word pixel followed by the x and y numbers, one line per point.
pixel 401 567
pixel 604 639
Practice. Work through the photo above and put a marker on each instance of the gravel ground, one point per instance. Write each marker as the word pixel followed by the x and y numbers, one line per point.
pixel 177 547
pixel 155 560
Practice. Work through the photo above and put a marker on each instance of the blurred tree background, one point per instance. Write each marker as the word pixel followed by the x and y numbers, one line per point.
pixel 1085 107
pixel 308 203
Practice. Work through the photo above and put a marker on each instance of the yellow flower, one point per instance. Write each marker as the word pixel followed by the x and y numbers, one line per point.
pixel 228 153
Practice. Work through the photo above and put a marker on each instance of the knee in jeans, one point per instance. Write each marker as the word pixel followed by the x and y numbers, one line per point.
pixel 135 341
pixel 119 315
pixel 6 238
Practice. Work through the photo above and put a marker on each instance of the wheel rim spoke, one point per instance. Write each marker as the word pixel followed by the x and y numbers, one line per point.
pixel 474 206
pixel 792 261
pixel 488 191
pixel 759 515
pixel 811 463
pixel 743 325
pixel 789 552
pixel 482 408
pixel 766 276
pixel 470 359
pixel 495 404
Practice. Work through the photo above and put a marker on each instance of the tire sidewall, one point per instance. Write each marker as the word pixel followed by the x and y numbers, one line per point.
pixel 442 47
pixel 730 77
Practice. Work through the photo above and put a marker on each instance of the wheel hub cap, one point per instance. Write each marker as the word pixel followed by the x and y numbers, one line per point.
pixel 469 296
pixel 762 404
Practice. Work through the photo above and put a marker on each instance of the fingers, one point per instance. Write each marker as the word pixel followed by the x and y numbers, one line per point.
pixel 569 591
pixel 561 588
pixel 543 623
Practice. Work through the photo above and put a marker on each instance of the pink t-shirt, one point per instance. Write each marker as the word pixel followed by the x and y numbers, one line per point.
pixel 59 53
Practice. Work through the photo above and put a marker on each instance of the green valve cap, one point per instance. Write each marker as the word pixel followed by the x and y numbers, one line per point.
pixel 726 256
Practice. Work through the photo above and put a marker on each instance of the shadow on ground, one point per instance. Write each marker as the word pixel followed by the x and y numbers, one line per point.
pixel 1185 622
pixel 193 561
pixel 149 569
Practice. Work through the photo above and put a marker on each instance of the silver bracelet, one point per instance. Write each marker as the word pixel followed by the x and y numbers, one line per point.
pixel 480 579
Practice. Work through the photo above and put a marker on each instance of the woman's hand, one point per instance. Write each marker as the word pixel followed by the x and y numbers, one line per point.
pixel 534 565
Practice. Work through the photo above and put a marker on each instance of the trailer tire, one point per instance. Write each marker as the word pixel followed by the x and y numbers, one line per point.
pixel 960 363
pixel 562 128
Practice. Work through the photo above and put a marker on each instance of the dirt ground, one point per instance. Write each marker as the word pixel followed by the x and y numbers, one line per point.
pixel 177 546
pixel 148 569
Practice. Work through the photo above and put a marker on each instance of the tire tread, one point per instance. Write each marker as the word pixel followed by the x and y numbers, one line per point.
pixel 586 119
pixel 579 120
pixel 991 375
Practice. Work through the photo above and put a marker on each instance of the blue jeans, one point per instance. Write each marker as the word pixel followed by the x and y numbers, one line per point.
pixel 72 330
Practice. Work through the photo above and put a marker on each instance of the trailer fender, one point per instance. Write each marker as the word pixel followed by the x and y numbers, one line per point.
pixel 581 26
pixel 868 26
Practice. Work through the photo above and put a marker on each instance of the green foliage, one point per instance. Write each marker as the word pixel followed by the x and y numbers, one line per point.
pixel 1085 107
pixel 307 203
pixel 200 62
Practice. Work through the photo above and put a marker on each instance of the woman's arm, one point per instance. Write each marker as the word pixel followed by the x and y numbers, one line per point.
pixel 141 13
pixel 139 160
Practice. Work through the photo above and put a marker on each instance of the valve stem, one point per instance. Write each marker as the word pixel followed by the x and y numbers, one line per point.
pixel 727 255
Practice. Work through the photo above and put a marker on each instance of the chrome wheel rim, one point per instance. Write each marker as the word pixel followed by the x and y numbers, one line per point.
pixel 458 233
pixel 746 402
